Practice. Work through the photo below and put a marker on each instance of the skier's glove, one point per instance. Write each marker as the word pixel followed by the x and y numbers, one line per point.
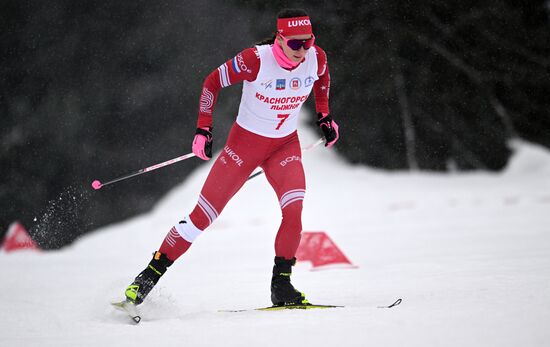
pixel 329 128
pixel 202 143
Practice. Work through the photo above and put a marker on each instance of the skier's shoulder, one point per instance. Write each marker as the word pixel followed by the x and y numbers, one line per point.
pixel 243 66
pixel 319 50
pixel 249 55
pixel 320 53
pixel 246 61
pixel 321 60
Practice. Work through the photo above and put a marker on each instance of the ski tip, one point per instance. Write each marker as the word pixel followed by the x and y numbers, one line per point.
pixel 397 302
pixel 117 304
pixel 120 304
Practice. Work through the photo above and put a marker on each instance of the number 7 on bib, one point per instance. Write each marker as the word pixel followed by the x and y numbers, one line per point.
pixel 283 118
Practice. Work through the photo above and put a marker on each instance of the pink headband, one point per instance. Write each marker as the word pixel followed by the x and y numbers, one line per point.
pixel 294 26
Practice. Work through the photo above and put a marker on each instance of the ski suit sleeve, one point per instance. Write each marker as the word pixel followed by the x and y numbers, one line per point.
pixel 243 67
pixel 321 87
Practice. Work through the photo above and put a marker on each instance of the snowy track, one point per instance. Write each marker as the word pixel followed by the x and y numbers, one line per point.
pixel 469 255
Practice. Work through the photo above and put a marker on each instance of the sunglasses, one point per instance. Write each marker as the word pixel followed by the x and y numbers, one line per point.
pixel 295 45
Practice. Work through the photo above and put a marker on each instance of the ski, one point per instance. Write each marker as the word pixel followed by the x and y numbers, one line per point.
pixel 296 307
pixel 285 307
pixel 129 308
pixel 302 307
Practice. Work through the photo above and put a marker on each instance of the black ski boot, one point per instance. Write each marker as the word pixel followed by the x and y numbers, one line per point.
pixel 282 291
pixel 146 280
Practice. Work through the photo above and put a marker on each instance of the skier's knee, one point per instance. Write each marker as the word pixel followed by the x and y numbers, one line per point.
pixel 187 229
pixel 293 210
pixel 204 213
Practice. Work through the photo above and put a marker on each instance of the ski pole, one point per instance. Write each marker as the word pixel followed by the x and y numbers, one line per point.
pixel 97 184
pixel 305 149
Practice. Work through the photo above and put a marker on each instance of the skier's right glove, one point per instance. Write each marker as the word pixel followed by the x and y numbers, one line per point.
pixel 202 143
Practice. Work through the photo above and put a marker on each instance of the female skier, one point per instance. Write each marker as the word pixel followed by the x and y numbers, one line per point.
pixel 278 77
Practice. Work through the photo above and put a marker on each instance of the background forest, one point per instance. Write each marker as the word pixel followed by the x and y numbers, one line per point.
pixel 97 89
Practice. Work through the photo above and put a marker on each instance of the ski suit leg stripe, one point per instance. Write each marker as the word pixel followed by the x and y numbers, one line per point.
pixel 299 198
pixel 207 209
pixel 291 196
pixel 291 192
pixel 172 236
pixel 207 205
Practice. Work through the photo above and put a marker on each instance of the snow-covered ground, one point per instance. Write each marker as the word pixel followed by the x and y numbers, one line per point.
pixel 469 254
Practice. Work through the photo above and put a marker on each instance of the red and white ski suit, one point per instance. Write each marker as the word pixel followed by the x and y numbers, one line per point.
pixel 264 135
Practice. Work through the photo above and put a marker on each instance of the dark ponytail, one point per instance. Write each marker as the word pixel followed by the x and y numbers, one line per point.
pixel 267 41
pixel 284 13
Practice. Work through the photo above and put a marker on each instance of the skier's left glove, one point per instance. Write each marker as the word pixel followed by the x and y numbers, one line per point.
pixel 329 128
pixel 202 143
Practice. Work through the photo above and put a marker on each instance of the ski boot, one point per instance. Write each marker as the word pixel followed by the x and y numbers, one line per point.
pixel 146 280
pixel 282 291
